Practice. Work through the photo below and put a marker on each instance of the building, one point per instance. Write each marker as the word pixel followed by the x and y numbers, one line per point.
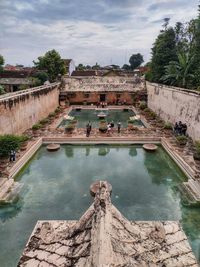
pixel 94 89
pixel 14 80
pixel 70 66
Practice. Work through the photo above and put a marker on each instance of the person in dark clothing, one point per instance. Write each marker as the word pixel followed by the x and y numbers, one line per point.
pixel 112 125
pixel 119 127
pixel 14 155
pixel 11 155
pixel 176 128
pixel 180 128
pixel 184 128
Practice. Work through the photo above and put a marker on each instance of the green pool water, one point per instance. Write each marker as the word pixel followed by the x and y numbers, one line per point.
pixel 56 186
pixel 83 116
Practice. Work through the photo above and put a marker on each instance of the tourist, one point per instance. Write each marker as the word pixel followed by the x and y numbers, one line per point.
pixel 184 128
pixel 14 155
pixel 176 128
pixel 179 128
pixel 112 125
pixel 119 127
pixel 108 129
pixel 11 155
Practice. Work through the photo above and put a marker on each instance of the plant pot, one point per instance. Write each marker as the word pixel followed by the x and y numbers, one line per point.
pixel 196 156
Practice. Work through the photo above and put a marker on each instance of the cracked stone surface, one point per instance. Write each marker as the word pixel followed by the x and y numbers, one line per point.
pixel 103 237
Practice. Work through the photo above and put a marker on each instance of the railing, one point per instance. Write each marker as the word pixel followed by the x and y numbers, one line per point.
pixel 27 91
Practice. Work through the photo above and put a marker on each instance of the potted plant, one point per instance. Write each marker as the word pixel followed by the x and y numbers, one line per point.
pixel 196 154
pixel 69 128
pixel 36 126
pixel 142 105
pixel 102 128
pixel 24 142
pixel 181 140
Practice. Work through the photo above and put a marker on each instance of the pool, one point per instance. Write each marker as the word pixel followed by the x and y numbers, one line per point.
pixel 56 186
pixel 83 116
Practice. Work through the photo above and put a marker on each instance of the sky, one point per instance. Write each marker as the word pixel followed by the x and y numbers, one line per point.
pixel 88 31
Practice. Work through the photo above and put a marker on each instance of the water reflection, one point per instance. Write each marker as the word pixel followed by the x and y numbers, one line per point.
pixel 133 151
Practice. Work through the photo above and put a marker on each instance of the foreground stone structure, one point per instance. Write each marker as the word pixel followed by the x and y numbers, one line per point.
pixel 103 237
pixel 20 110
pixel 176 104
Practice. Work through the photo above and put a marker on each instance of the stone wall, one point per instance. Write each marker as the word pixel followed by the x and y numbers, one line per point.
pixel 176 104
pixel 94 97
pixel 20 111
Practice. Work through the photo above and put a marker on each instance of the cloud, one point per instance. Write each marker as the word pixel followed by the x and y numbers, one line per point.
pixel 89 31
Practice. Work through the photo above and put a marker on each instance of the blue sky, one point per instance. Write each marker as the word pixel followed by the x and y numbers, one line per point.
pixel 89 31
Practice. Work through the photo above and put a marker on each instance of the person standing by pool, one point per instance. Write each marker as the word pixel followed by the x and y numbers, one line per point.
pixel 119 127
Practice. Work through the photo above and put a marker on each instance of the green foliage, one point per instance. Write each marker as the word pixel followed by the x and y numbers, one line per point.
pixel 163 52
pixel 126 67
pixel 41 76
pixel 176 55
pixel 179 73
pixel 197 147
pixel 147 110
pixel 51 115
pixel 182 139
pixel 1 63
pixel 2 90
pixel 57 110
pixel 44 121
pixel 168 126
pixel 96 66
pixel 36 126
pixel 136 60
pixel 143 105
pixel 23 86
pixel 9 142
pixel 80 67
pixel 69 128
pixel 52 63
pixel 149 76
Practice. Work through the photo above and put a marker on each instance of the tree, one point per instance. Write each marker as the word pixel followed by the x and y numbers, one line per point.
pixel 1 63
pixel 80 67
pixel 136 60
pixel 126 67
pixel 96 66
pixel 42 76
pixel 52 63
pixel 179 72
pixel 163 52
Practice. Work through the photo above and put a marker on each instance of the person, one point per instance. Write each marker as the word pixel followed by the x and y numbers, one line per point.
pixel 112 125
pixel 14 155
pixel 184 128
pixel 108 129
pixel 119 127
pixel 179 128
pixel 176 128
pixel 11 155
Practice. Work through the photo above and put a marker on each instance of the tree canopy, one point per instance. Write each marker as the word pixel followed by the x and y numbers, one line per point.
pixel 52 63
pixel 136 60
pixel 1 63
pixel 176 55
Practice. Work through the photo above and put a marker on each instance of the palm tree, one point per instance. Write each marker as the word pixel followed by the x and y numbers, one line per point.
pixel 179 72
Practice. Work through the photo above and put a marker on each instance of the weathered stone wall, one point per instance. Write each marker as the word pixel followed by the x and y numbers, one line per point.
pixel 94 97
pixel 175 104
pixel 19 112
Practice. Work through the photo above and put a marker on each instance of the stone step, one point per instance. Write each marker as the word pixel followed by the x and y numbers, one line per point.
pixel 195 186
pixel 6 188
pixel 190 192
pixel 2 181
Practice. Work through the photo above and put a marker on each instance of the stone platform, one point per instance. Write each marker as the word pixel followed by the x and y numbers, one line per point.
pixel 103 237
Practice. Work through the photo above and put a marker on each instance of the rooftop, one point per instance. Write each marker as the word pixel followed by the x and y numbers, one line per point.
pixel 103 237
